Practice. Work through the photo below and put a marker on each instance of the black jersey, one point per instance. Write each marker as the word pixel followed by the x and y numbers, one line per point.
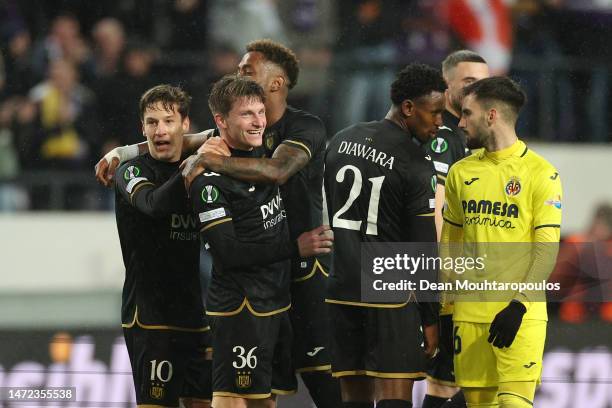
pixel 378 184
pixel 448 147
pixel 160 245
pixel 245 228
pixel 302 193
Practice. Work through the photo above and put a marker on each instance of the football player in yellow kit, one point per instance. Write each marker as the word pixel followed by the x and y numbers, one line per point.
pixel 503 193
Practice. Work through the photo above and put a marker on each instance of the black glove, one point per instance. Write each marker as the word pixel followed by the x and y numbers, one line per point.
pixel 506 324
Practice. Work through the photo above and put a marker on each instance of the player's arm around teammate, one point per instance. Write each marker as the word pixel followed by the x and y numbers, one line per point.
pixel 165 346
pixel 284 163
pixel 244 225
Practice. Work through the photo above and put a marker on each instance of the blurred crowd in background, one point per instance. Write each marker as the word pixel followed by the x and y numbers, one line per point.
pixel 72 71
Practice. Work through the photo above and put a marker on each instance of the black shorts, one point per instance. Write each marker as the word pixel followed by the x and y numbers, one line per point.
pixel 168 365
pixel 442 369
pixel 377 342
pixel 252 355
pixel 309 318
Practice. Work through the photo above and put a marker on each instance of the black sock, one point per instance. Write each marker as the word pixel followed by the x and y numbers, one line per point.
pixel 324 389
pixel 431 401
pixel 357 405
pixel 393 403
pixel 458 401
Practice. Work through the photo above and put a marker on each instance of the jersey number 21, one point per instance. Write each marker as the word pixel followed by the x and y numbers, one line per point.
pixel 355 191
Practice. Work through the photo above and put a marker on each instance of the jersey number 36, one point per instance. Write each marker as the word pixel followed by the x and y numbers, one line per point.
pixel 248 360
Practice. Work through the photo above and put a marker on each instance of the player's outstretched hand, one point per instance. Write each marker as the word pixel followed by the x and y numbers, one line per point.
pixel 316 241
pixel 506 324
pixel 105 168
pixel 215 145
pixel 431 340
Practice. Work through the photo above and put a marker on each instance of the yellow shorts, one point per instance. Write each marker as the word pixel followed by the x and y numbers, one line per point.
pixel 479 364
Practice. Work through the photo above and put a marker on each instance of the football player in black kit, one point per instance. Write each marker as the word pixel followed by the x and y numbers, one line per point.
pixel 294 143
pixel 162 313
pixel 294 146
pixel 460 69
pixel 380 188
pixel 244 224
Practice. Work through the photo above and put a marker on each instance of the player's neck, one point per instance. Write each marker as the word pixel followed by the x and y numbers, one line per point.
pixel 275 109
pixel 395 116
pixel 452 111
pixel 448 105
pixel 232 144
pixel 500 140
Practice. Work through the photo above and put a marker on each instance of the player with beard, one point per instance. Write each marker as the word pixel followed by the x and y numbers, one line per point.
pixel 460 69
pixel 294 143
pixel 506 334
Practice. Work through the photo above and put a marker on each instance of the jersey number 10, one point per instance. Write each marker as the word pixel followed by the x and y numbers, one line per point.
pixel 372 220
pixel 157 370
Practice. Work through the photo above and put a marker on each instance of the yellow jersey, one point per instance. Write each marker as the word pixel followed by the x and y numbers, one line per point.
pixel 502 197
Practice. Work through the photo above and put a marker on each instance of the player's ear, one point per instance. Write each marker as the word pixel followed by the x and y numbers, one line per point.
pixel 220 121
pixel 407 107
pixel 492 116
pixel 186 123
pixel 144 134
pixel 277 83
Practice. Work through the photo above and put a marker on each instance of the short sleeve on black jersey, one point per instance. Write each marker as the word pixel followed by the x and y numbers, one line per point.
pixel 209 203
pixel 305 133
pixel 421 190
pixel 445 149
pixel 135 183
pixel 131 177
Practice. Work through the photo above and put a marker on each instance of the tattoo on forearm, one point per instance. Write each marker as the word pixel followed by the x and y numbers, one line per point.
pixel 285 163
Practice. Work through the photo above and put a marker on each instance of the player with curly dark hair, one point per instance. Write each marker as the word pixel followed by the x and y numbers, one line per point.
pixel 376 348
pixel 413 85
pixel 278 54
pixel 294 143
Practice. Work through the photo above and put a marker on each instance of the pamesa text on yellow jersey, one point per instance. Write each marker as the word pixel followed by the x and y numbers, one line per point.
pixel 500 199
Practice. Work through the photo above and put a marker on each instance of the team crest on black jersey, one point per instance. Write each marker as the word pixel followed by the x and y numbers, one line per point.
pixel 269 140
pixel 131 173
pixel 243 379
pixel 439 145
pixel 157 392
pixel 210 194
pixel 513 187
